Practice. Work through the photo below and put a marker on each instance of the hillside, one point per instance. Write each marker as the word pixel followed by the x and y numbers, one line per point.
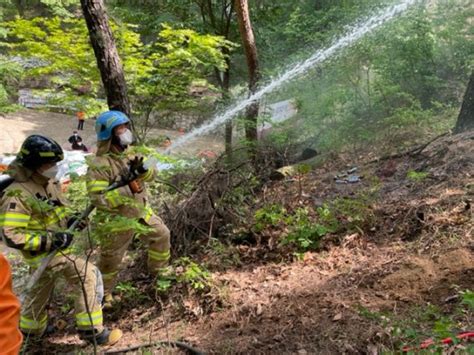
pixel 401 275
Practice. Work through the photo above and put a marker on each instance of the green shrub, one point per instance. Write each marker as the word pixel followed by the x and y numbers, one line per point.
pixel 268 216
pixel 353 213
pixel 130 292
pixel 304 233
pixel 194 274
pixel 417 176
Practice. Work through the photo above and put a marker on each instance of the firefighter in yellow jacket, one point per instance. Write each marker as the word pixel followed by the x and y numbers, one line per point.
pixel 33 219
pixel 110 165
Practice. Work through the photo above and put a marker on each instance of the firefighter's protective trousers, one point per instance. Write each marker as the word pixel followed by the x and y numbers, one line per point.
pixel 31 210
pixel 103 171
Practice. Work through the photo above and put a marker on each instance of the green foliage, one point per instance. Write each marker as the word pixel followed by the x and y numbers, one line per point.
pixel 303 169
pixel 63 53
pixel 174 62
pixel 304 234
pixel 417 176
pixel 130 293
pixel 61 44
pixel 185 272
pixel 424 322
pixel 62 47
pixel 411 41
pixel 368 314
pixel 149 152
pixel 4 102
pixel 268 216
pixel 163 284
pixel 102 223
pixel 10 76
pixel 288 30
pixel 225 254
pixel 15 8
pixel 443 328
pixel 76 194
pixel 107 224
pixel 393 86
pixel 328 218
pixel 303 228
pixel 61 8
pixel 468 299
pixel 350 213
pixel 149 16
pixel 193 275
pixel 69 102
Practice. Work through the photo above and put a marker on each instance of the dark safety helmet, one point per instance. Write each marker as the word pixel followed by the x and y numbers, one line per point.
pixel 107 121
pixel 37 150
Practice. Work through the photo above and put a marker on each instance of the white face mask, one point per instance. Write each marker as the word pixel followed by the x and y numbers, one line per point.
pixel 51 172
pixel 126 138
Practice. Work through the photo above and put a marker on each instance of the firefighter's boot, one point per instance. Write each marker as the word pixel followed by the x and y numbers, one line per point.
pixel 106 337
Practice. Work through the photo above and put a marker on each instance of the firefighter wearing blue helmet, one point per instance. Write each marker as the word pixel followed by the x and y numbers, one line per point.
pixel 111 164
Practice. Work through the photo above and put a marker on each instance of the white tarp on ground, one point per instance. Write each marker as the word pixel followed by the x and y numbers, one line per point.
pixel 74 163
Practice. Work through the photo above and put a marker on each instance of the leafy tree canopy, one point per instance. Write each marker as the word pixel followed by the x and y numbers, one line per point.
pixel 61 46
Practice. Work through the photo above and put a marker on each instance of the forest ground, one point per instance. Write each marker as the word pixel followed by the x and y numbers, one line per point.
pixel 374 289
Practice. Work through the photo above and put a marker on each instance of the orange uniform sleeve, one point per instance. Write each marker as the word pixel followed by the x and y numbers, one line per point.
pixel 10 335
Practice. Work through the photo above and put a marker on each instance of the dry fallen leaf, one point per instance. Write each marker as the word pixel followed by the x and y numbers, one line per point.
pixel 61 324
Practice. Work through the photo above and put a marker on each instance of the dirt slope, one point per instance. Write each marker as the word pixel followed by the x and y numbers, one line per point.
pixel 401 264
pixel 358 294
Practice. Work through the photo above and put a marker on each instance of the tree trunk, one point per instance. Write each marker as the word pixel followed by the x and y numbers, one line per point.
pixel 108 60
pixel 248 40
pixel 465 120
pixel 228 125
pixel 20 6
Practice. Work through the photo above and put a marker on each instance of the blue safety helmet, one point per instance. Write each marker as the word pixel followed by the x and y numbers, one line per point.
pixel 107 121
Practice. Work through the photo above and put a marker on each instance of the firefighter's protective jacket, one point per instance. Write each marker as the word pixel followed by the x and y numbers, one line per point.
pixel 108 168
pixel 31 210
pixel 10 335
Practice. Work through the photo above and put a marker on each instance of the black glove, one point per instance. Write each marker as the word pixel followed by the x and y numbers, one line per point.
pixel 80 225
pixel 54 203
pixel 61 240
pixel 136 166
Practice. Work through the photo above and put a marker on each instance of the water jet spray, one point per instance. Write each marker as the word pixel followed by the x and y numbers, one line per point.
pixel 352 36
